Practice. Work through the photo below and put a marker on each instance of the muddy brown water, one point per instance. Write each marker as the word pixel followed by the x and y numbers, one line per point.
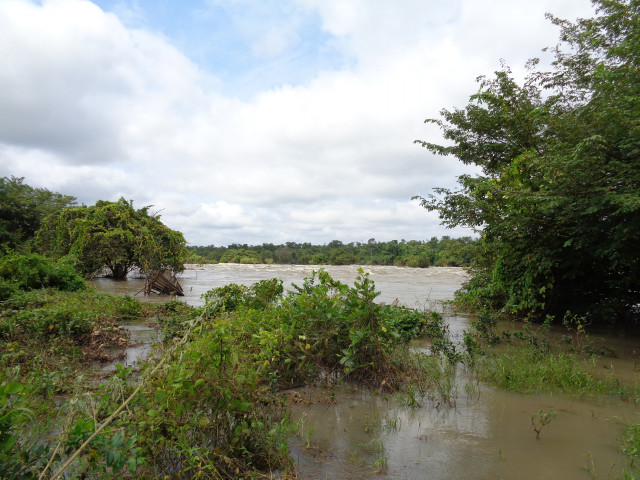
pixel 346 433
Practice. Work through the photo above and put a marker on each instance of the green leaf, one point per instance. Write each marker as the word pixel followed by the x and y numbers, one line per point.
pixel 7 443
pixel 119 461
pixel 14 387
pixel 117 440
pixel 132 465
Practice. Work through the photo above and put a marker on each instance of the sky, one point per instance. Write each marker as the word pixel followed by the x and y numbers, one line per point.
pixel 253 121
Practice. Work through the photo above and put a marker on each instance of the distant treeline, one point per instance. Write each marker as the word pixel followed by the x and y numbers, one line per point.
pixel 456 252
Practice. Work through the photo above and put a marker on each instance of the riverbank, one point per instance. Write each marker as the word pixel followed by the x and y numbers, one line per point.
pixel 345 431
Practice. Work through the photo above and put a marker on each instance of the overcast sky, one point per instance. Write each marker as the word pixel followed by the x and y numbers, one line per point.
pixel 251 121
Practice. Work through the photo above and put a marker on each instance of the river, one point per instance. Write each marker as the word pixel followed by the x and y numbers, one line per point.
pixel 487 434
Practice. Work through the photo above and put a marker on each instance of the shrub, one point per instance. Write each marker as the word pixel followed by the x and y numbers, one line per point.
pixel 32 271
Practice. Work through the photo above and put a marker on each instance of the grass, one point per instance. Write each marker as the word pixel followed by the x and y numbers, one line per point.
pixel 528 370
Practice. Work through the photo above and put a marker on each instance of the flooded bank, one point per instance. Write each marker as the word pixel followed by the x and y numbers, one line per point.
pixel 484 432
pixel 487 434
pixel 141 334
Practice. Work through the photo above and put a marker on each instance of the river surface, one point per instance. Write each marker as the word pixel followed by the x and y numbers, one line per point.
pixel 485 433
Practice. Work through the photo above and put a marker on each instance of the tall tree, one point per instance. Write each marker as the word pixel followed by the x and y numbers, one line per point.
pixel 115 236
pixel 558 196
pixel 22 209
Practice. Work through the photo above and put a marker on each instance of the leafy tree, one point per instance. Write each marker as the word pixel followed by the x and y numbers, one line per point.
pixel 342 256
pixel 558 196
pixel 115 236
pixel 240 256
pixel 22 209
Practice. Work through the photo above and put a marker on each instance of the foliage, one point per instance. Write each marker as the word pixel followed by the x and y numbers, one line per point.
pixel 531 370
pixel 631 447
pixel 209 413
pixel 322 327
pixel 115 236
pixel 17 459
pixel 49 343
pixel 558 196
pixel 23 208
pixel 421 254
pixel 240 256
pixel 32 271
pixel 39 328
pixel 207 404
pixel 258 296
pixel 541 420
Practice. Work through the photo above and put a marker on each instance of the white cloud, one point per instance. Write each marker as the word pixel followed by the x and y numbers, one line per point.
pixel 94 108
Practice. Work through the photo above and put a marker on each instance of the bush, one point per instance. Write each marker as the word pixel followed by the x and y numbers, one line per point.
pixel 47 312
pixel 233 296
pixel 322 327
pixel 33 271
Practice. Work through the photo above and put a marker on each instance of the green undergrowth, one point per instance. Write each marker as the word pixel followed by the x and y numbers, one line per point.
pixel 533 358
pixel 529 370
pixel 46 327
pixel 208 402
pixel 631 448
pixel 24 272
pixel 51 345
pixel 54 342
pixel 214 409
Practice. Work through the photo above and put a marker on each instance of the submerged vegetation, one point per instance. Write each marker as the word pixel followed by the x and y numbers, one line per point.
pixel 112 236
pixel 207 403
pixel 211 400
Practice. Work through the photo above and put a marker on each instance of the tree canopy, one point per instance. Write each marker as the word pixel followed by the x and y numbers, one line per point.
pixel 413 253
pixel 22 209
pixel 558 196
pixel 115 236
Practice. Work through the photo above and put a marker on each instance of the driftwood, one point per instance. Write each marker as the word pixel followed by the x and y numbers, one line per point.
pixel 163 283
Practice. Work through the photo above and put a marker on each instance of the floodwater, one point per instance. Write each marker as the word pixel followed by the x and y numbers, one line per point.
pixel 414 287
pixel 485 433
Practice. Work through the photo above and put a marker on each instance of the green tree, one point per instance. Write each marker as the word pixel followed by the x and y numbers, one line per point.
pixel 22 209
pixel 115 236
pixel 558 196
pixel 240 256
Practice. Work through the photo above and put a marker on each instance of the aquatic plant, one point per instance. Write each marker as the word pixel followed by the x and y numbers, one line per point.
pixel 541 420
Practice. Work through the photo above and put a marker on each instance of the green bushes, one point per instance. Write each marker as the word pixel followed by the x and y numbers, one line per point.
pixel 209 412
pixel 207 404
pixel 48 313
pixel 212 410
pixel 322 327
pixel 32 271
pixel 631 448
pixel 17 459
pixel 231 297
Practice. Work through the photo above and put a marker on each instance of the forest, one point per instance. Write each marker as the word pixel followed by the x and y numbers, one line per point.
pixel 454 252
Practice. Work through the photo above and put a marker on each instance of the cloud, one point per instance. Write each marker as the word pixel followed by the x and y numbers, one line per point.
pixel 293 121
pixel 77 83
